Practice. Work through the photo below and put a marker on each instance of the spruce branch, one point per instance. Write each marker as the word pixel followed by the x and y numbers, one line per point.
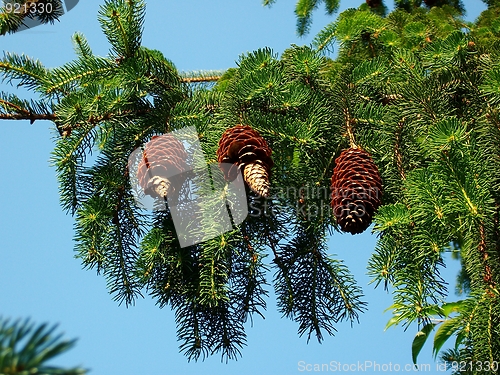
pixel 397 150
pixel 412 88
pixel 325 40
pixel 31 73
pixel 81 46
pixel 349 124
pixel 27 348
pixel 28 116
pixel 201 77
pixel 12 111
pixel 304 9
pixel 482 247
pixel 77 72
pixel 304 276
pixel 122 22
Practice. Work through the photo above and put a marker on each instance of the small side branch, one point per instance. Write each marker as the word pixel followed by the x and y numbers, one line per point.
pixel 488 275
pixel 200 79
pixel 350 122
pixel 397 150
pixel 28 116
pixel 20 113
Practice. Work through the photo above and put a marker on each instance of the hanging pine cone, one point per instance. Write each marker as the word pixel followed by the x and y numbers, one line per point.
pixel 245 149
pixel 431 3
pixel 374 3
pixel 356 189
pixel 160 169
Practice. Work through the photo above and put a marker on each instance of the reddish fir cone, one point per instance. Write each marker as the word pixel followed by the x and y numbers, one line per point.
pixel 430 3
pixel 160 169
pixel 373 3
pixel 356 190
pixel 245 149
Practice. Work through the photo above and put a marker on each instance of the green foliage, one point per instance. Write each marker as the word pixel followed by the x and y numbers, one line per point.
pixel 26 349
pixel 304 9
pixel 446 328
pixel 419 340
pixel 313 289
pixel 106 107
pixel 417 89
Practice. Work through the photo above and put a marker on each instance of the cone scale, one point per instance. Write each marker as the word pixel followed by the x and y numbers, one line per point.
pixel 356 189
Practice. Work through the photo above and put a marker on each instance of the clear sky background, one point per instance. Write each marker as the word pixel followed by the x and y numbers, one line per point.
pixel 41 279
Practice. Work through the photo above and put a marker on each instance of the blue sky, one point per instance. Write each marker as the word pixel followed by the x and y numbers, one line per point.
pixel 40 277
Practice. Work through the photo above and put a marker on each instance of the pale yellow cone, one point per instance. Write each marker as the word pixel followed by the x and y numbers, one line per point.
pixel 161 186
pixel 257 178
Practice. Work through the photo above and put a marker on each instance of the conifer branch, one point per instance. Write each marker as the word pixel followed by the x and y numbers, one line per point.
pixel 297 140
pixel 200 79
pixel 491 333
pixel 349 123
pixel 115 16
pixel 18 109
pixel 201 76
pixel 19 113
pixel 408 86
pixel 397 150
pixel 30 349
pixel 77 77
pixel 32 117
pixel 21 70
pixel 482 247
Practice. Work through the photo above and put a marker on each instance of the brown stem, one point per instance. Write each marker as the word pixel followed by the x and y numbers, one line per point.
pixel 22 113
pixel 482 247
pixel 350 122
pixel 372 49
pixel 200 79
pixel 397 152
pixel 272 245
pixel 28 116
pixel 250 248
pixel 497 231
pixel 6 103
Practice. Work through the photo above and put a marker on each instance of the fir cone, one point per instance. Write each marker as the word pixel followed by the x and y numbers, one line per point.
pixel 430 3
pixel 373 3
pixel 244 148
pixel 356 190
pixel 160 169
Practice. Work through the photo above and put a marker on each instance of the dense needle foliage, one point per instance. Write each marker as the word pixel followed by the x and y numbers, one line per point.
pixel 418 89
pixel 27 349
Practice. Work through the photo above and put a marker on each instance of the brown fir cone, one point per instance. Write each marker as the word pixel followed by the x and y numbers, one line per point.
pixel 160 169
pixel 356 190
pixel 245 149
pixel 373 3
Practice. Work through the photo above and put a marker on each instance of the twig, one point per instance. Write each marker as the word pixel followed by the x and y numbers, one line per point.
pixel 397 151
pixel 200 79
pixel 349 126
pixel 28 116
pixel 488 276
